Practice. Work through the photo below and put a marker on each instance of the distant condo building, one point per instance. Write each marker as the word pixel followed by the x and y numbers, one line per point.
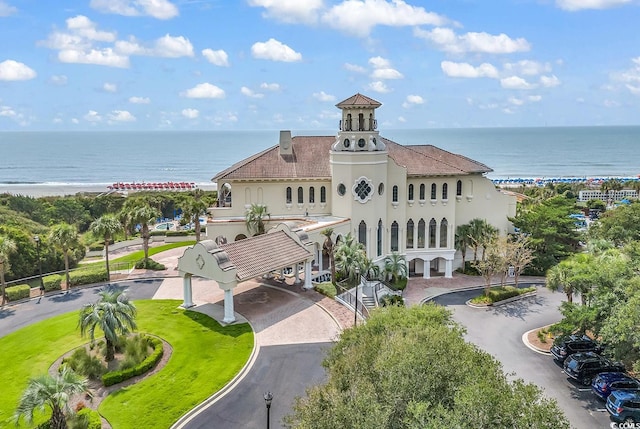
pixel 390 197
pixel 588 194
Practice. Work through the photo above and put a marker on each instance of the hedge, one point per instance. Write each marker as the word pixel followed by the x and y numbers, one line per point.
pixel 87 276
pixel 178 233
pixel 115 377
pixel 149 264
pixel 52 282
pixel 15 293
pixel 158 232
pixel 94 247
pixel 501 293
pixel 93 418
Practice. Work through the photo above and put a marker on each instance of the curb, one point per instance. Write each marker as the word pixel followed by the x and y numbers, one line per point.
pixel 525 340
pixel 504 301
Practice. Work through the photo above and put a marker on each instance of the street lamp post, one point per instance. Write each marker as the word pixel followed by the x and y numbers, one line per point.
pixel 37 240
pixel 268 397
pixel 355 313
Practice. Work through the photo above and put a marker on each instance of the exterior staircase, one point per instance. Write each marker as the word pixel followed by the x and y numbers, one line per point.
pixel 369 302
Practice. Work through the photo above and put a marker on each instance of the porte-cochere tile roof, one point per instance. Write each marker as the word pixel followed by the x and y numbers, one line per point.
pixel 310 160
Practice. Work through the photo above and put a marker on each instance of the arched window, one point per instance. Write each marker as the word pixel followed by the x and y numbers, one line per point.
pixel 433 191
pixel 459 188
pixel 410 234
pixel 300 195
pixel 421 234
pixel 394 236
pixel 411 192
pixel 445 191
pixel 312 194
pixel 444 228
pixel 432 233
pixel 323 194
pixel 422 191
pixel 379 246
pixel 394 194
pixel 347 126
pixel 288 194
pixel 362 233
pixel 360 122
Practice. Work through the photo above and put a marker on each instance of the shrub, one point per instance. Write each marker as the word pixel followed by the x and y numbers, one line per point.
pixel 326 288
pixel 157 233
pixel 87 276
pixel 500 293
pixel 83 363
pixel 542 337
pixel 150 264
pixel 119 376
pixel 391 299
pixel 52 282
pixel 94 247
pixel 85 418
pixel 400 284
pixel 178 233
pixel 15 293
pixel 136 350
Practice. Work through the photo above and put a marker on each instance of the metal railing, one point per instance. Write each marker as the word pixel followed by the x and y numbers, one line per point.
pixel 348 299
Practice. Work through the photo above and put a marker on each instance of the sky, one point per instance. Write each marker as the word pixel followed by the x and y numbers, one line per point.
pixel 284 64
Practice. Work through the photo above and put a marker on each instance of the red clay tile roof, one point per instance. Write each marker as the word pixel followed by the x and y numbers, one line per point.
pixel 264 253
pixel 310 160
pixel 359 100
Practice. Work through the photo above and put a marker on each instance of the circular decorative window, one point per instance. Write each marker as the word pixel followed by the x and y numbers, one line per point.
pixel 361 143
pixel 342 189
pixel 363 189
pixel 381 189
pixel 346 143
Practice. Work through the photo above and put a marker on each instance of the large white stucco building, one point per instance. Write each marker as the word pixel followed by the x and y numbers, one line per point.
pixel 392 198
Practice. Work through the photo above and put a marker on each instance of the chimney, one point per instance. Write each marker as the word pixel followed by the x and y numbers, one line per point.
pixel 285 143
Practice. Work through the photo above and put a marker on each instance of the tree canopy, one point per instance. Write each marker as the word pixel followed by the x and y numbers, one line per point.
pixel 411 368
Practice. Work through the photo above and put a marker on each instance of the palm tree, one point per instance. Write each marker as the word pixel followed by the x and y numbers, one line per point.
pixel 349 257
pixel 113 313
pixel 193 207
pixel 328 246
pixel 144 215
pixel 106 226
pixel 255 216
pixel 370 269
pixel 558 277
pixel 476 235
pixel 462 242
pixel 396 266
pixel 7 246
pixel 65 237
pixel 53 391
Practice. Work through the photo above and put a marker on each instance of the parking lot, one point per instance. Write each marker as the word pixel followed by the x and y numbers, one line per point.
pixel 499 331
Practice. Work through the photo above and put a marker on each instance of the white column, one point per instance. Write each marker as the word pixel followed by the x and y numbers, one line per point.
pixel 307 275
pixel 427 269
pixel 319 259
pixel 229 314
pixel 448 264
pixel 297 273
pixel 186 290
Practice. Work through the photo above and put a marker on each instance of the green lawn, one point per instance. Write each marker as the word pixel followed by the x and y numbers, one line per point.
pixel 205 357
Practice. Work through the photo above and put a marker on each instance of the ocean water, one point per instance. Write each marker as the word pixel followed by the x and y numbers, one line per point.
pixel 108 157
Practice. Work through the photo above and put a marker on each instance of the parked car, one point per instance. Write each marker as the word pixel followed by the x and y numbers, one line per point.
pixel 605 383
pixel 582 367
pixel 624 407
pixel 564 347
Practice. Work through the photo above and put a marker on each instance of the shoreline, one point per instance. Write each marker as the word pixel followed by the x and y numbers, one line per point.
pixel 37 190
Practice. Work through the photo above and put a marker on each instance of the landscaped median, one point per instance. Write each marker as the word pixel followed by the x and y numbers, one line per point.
pixel 501 295
pixel 206 356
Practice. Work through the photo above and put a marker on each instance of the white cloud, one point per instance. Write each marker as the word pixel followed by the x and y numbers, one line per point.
pixel 7 9
pixel 323 96
pixel 629 78
pixel 447 40
pixel 84 27
pixel 270 86
pixel 534 98
pixel 466 70
pixel 204 90
pixel 102 57
pixel 92 116
pixel 160 9
pixel 121 116
pixel 274 50
pixel 401 119
pixel 290 11
pixel 515 82
pixel 60 80
pixel 386 74
pixel 75 121
pixel 516 101
pixel 549 81
pixel 7 112
pixel 573 5
pixel 166 46
pixel 110 87
pixel 379 86
pixel 379 62
pixel 14 70
pixel 218 58
pixel 354 68
pixel 250 93
pixel 139 100
pixel 527 68
pixel 359 17
pixel 635 90
pixel 611 103
pixel 190 113
pixel 412 100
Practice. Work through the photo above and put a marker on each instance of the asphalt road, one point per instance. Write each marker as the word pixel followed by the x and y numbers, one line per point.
pixel 499 330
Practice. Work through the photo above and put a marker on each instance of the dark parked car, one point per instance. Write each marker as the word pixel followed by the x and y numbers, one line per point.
pixel 582 367
pixel 566 346
pixel 605 383
pixel 624 407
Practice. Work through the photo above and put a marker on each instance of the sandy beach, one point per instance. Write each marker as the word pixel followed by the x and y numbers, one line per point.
pixel 61 189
